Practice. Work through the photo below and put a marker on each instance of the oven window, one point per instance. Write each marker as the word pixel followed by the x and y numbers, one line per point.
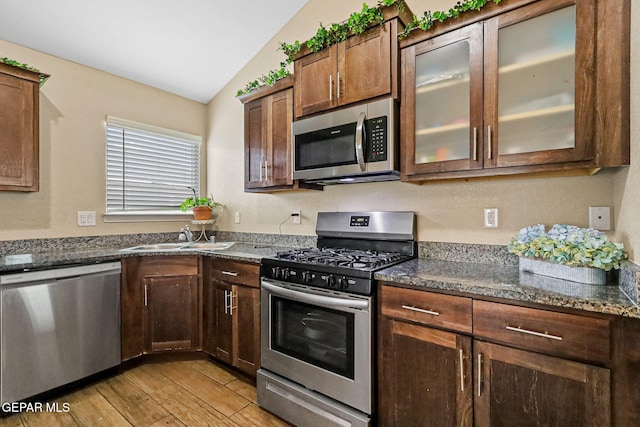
pixel 326 148
pixel 321 336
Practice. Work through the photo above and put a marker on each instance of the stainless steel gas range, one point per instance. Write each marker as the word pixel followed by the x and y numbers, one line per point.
pixel 317 308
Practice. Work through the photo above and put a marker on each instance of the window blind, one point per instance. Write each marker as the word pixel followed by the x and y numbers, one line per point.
pixel 149 168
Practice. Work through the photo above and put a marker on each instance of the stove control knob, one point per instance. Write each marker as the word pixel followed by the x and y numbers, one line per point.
pixel 286 274
pixel 275 272
pixel 306 277
pixel 343 283
pixel 330 280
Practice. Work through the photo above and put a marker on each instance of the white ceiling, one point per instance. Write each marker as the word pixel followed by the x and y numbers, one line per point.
pixel 188 47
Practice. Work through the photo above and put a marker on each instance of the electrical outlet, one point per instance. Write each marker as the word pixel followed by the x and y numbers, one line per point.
pixel 236 217
pixel 86 218
pixel 491 218
pixel 600 217
pixel 296 216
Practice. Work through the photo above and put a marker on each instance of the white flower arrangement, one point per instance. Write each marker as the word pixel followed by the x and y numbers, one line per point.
pixel 568 245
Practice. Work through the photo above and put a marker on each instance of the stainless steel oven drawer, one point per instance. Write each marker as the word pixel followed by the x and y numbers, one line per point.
pixel 302 407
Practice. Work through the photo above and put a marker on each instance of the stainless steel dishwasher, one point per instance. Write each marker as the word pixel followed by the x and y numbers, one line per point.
pixel 57 326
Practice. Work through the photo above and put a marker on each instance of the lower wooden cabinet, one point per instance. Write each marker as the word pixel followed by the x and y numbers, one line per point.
pixel 172 315
pixel 424 376
pixel 429 376
pixel 232 313
pixel 522 388
pixel 160 305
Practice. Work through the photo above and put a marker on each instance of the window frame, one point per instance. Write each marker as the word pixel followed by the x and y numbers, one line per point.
pixel 140 215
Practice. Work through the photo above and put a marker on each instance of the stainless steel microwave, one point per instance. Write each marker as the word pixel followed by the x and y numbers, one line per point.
pixel 356 144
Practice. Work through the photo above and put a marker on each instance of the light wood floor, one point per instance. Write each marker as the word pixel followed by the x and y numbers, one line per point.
pixel 175 393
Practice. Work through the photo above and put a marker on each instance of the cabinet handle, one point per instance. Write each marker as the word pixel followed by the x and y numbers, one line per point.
pixel 229 273
pixel 146 295
pixel 260 170
pixel 461 356
pixel 489 141
pixel 359 143
pixel 266 170
pixel 330 87
pixel 479 374
pixel 338 84
pixel 537 334
pixel 421 310
pixel 227 302
pixel 475 143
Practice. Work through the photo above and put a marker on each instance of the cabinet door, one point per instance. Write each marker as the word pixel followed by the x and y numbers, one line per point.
pixel 539 84
pixel 246 327
pixel 364 65
pixel 254 124
pixel 19 103
pixel 315 80
pixel 278 130
pixel 223 342
pixel 515 387
pixel 424 376
pixel 131 309
pixel 172 313
pixel 442 103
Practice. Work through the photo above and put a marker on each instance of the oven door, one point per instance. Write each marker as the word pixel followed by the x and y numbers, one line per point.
pixel 320 339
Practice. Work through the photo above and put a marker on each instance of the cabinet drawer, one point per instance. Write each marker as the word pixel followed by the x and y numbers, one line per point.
pixel 170 265
pixel 566 335
pixel 236 272
pixel 444 311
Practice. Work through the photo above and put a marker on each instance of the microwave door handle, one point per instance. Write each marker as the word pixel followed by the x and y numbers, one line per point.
pixel 360 141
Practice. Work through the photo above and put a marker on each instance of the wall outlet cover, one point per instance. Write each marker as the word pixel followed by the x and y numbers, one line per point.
pixel 491 218
pixel 600 217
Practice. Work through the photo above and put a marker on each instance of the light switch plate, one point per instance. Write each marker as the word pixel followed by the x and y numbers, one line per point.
pixel 600 217
pixel 86 218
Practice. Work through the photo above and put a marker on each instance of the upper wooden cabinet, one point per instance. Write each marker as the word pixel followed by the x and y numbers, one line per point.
pixel 517 88
pixel 19 128
pixel 360 68
pixel 268 115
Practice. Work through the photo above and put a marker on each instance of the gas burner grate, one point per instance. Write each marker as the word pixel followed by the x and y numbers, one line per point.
pixel 342 257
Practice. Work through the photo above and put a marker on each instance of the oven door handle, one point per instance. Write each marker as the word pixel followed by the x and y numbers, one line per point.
pixel 316 299
pixel 360 141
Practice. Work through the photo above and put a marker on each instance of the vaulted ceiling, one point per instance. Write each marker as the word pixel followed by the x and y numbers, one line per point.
pixel 189 47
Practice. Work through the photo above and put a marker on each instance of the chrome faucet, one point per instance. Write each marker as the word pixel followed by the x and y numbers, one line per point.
pixel 185 234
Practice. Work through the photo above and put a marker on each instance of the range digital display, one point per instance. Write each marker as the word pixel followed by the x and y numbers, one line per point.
pixel 359 221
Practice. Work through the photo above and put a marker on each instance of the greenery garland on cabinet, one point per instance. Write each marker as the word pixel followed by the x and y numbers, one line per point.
pixel 13 62
pixel 357 23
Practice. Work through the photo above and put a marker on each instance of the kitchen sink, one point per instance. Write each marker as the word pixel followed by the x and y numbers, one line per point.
pixel 155 247
pixel 184 246
pixel 212 246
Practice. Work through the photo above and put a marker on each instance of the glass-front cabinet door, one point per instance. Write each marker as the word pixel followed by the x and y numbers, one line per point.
pixel 516 90
pixel 538 84
pixel 442 104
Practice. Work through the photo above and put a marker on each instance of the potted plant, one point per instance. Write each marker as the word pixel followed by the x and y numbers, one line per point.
pixel 202 207
pixel 567 252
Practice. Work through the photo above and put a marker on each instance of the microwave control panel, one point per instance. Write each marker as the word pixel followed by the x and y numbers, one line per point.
pixel 377 136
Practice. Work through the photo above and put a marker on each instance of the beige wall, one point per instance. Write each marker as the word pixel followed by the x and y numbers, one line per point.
pixel 73 105
pixel 450 212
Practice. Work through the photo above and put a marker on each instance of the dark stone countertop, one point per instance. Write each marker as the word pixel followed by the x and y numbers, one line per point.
pixel 473 279
pixel 240 251
pixel 507 282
